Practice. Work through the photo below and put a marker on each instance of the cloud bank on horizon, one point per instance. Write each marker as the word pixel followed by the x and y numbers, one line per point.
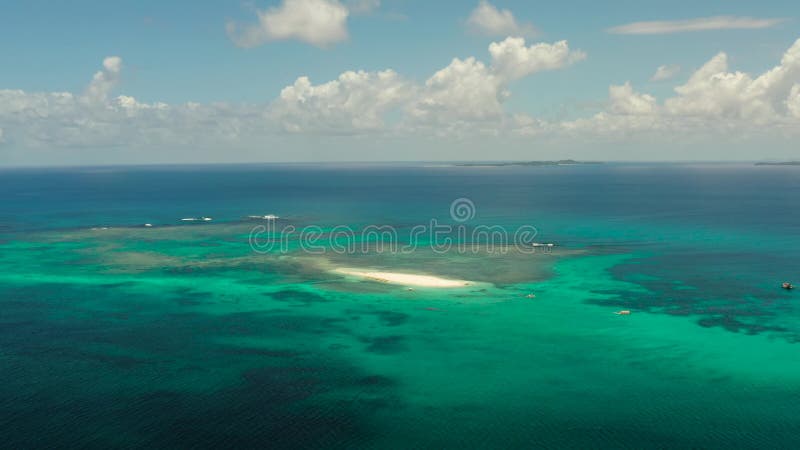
pixel 466 98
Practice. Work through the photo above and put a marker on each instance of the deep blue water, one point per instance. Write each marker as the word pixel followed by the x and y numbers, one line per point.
pixel 170 360
pixel 736 197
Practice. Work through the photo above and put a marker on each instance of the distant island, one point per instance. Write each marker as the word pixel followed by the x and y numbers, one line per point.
pixel 785 163
pixel 561 162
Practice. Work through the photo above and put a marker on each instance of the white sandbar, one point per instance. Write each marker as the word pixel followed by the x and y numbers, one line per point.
pixel 405 279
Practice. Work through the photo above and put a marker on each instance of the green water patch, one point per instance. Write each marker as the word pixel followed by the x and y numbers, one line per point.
pixel 562 363
pixel 724 289
pixel 133 349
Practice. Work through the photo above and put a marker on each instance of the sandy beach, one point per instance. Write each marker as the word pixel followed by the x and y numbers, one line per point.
pixel 405 279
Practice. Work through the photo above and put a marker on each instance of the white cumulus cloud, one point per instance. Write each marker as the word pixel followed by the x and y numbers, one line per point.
pixel 468 93
pixel 698 24
pixel 464 90
pixel 464 93
pixel 356 101
pixel 487 19
pixel 713 100
pixel 715 91
pixel 512 59
pixel 316 22
pixel 624 100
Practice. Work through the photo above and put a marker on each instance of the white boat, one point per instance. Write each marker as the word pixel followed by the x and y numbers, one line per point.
pixel 195 219
pixel 267 217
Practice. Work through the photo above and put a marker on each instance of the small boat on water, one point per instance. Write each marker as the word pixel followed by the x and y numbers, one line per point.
pixel 197 219
pixel 539 244
pixel 788 286
pixel 624 312
pixel 267 217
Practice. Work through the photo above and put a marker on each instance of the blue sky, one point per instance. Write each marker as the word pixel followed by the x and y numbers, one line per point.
pixel 179 51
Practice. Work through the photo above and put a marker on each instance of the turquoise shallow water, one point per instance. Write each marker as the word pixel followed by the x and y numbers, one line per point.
pixel 181 335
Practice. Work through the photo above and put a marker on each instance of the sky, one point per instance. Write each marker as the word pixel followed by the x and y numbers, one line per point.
pixel 146 82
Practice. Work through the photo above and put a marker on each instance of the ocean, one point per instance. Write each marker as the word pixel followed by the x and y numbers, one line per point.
pixel 240 332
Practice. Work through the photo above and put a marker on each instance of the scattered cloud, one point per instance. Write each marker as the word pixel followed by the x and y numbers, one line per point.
pixel 97 119
pixel 667 72
pixel 488 20
pixel 464 94
pixel 714 91
pixel 699 24
pixel 317 22
pixel 105 80
pixel 469 90
pixel 714 98
pixel 465 98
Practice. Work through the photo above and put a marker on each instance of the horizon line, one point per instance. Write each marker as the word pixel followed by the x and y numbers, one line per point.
pixel 394 162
